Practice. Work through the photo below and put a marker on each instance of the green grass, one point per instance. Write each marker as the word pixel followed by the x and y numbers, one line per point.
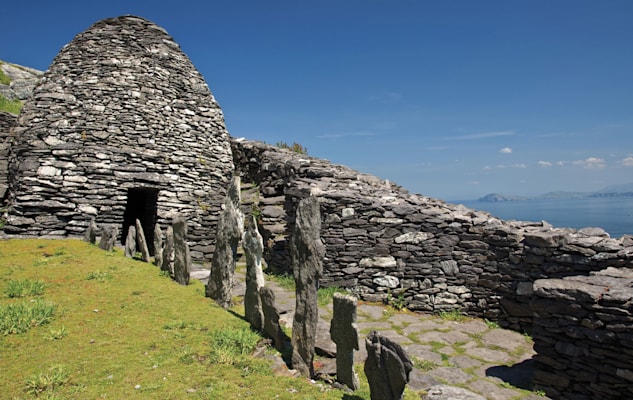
pixel 16 318
pixel 4 79
pixel 24 287
pixel 325 294
pixel 40 382
pixel 286 281
pixel 10 106
pixel 452 315
pixel 133 335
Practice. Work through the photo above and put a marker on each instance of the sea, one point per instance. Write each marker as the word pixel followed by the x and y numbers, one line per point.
pixel 613 214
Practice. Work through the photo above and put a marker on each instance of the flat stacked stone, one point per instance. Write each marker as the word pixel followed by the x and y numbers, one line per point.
pixel 584 336
pixel 121 107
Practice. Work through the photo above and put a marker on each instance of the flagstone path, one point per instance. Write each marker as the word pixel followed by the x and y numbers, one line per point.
pixel 449 356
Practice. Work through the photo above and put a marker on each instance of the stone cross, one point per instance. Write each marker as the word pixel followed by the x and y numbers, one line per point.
pixel 130 242
pixel 141 242
pixel 158 246
pixel 182 258
pixel 271 319
pixel 230 229
pixel 253 245
pixel 344 333
pixel 307 252
pixel 387 367
pixel 109 234
pixel 168 252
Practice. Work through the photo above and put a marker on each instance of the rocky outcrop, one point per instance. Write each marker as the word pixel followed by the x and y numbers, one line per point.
pixel 121 126
pixel 22 80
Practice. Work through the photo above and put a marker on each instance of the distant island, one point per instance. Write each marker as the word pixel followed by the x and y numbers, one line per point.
pixel 622 190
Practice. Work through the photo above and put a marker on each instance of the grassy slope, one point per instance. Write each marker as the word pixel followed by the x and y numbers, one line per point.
pixel 128 327
pixel 11 106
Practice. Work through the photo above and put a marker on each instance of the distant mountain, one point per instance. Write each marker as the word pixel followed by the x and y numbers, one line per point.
pixel 496 197
pixel 621 190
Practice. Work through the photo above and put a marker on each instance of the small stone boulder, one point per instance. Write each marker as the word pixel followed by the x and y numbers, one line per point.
pixel 387 367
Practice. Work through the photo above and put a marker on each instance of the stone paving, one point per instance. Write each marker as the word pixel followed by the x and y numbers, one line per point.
pixel 449 356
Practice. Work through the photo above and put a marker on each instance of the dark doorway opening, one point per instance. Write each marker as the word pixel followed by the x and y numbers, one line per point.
pixel 142 204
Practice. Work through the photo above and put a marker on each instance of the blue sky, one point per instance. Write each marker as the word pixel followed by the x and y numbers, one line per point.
pixel 450 99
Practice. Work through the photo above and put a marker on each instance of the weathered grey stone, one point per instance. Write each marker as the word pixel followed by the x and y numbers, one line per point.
pixel 344 333
pixel 307 261
pixel 253 245
pixel 446 392
pixel 109 234
pixel 158 246
pixel 90 235
pixel 130 242
pixel 230 230
pixel 272 328
pixel 413 237
pixel 387 367
pixel 168 252
pixel 378 262
pixel 182 259
pixel 141 243
pixel 388 281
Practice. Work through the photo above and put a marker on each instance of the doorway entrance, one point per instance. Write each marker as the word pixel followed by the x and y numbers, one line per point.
pixel 142 204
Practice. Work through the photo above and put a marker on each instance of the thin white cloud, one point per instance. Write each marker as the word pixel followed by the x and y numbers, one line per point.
pixel 591 163
pixel 483 135
pixel 503 166
pixel 561 163
pixel 544 164
pixel 627 162
pixel 345 134
pixel 506 150
pixel 386 97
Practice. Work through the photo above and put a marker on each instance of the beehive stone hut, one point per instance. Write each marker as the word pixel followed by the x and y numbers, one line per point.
pixel 121 126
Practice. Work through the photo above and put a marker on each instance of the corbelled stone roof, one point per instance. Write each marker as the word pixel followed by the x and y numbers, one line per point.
pixel 120 107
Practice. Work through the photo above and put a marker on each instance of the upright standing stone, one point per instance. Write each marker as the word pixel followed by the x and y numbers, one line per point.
pixel 253 245
pixel 168 252
pixel 130 242
pixel 307 263
pixel 387 367
pixel 230 228
pixel 344 333
pixel 141 242
pixel 182 258
pixel 90 235
pixel 109 234
pixel 158 246
pixel 271 319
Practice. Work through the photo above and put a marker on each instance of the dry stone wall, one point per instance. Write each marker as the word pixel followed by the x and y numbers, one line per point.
pixel 7 122
pixel 121 124
pixel 582 334
pixel 386 244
